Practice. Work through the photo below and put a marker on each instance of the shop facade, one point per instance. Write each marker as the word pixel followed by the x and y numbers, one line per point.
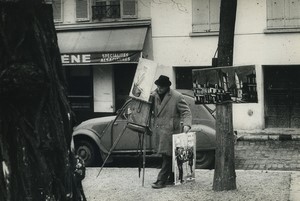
pixel 100 65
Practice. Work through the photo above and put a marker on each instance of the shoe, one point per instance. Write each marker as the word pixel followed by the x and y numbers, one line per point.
pixel 171 180
pixel 159 184
pixel 170 183
pixel 155 182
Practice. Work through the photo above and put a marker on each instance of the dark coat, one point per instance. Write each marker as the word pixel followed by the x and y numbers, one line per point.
pixel 167 118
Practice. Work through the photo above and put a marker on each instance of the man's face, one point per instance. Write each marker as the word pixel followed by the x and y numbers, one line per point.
pixel 162 90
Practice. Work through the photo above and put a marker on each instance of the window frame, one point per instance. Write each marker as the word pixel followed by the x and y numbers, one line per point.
pixel 280 17
pixel 207 19
pixel 88 11
pixel 54 2
pixel 121 14
pixel 130 16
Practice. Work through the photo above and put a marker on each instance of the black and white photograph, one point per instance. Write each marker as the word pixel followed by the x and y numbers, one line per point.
pixel 92 93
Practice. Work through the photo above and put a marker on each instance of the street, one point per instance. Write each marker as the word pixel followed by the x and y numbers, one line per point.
pixel 123 184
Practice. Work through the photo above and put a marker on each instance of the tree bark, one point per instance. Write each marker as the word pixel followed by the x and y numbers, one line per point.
pixel 35 134
pixel 226 32
pixel 224 175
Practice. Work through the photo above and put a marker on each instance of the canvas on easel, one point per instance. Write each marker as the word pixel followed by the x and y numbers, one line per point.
pixel 184 157
pixel 143 80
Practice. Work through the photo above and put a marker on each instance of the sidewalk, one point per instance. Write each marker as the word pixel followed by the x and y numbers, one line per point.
pixel 268 155
pixel 123 184
pixel 268 149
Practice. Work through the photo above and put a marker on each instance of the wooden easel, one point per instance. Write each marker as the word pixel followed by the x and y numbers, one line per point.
pixel 138 121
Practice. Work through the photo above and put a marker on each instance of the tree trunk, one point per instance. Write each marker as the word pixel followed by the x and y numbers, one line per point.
pixel 224 175
pixel 35 134
pixel 226 32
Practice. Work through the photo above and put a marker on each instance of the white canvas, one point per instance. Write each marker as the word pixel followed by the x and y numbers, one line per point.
pixel 143 79
pixel 184 157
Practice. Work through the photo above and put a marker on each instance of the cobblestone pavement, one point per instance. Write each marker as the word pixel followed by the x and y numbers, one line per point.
pixel 268 155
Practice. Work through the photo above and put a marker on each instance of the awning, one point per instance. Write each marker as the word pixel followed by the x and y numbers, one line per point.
pixel 117 45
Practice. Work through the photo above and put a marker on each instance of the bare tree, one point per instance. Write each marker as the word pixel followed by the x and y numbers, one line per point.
pixel 35 134
pixel 224 176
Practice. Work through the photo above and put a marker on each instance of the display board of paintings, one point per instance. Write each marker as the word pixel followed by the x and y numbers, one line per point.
pixel 184 157
pixel 219 84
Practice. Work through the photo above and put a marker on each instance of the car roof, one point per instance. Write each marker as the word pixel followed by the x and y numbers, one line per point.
pixel 201 114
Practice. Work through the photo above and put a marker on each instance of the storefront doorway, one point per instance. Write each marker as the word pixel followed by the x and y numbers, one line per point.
pixel 123 78
pixel 282 96
pixel 80 90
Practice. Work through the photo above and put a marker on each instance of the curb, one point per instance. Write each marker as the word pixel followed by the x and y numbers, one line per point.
pixel 277 137
pixel 265 136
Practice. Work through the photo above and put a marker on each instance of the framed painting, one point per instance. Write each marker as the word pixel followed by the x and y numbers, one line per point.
pixel 219 84
pixel 184 157
pixel 143 80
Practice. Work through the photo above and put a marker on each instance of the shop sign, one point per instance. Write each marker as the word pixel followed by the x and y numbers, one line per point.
pixel 100 58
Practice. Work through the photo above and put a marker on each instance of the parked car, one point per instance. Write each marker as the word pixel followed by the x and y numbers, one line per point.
pixel 94 138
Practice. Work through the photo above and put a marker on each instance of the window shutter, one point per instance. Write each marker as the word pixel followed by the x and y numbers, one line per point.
pixel 200 15
pixel 214 15
pixel 129 8
pixel 275 13
pixel 57 10
pixel 82 10
pixel 292 19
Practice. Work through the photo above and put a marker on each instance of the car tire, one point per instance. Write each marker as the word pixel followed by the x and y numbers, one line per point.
pixel 87 150
pixel 205 159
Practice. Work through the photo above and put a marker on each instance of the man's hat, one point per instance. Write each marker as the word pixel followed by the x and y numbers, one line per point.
pixel 163 81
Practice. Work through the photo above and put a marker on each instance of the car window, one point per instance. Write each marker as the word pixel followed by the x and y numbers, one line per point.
pixel 125 112
pixel 201 114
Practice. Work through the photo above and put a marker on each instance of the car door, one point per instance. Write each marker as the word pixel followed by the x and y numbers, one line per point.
pixel 130 139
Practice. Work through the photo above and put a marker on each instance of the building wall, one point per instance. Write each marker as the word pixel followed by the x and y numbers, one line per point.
pixel 170 43
pixel 173 46
pixel 254 46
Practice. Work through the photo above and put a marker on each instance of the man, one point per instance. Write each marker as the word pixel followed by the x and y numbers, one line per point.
pixel 179 154
pixel 169 110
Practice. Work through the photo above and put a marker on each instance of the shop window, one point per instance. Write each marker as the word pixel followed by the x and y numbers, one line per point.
pixel 184 78
pixel 123 83
pixel 114 9
pixel 283 14
pixel 206 14
pixel 80 87
pixel 57 6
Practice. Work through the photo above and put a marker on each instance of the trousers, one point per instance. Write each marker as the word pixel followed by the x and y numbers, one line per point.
pixel 166 169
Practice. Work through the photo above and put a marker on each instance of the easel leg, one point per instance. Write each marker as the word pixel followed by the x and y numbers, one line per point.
pixel 144 158
pixel 112 148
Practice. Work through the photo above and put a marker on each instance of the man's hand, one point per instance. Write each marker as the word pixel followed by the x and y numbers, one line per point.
pixel 186 129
